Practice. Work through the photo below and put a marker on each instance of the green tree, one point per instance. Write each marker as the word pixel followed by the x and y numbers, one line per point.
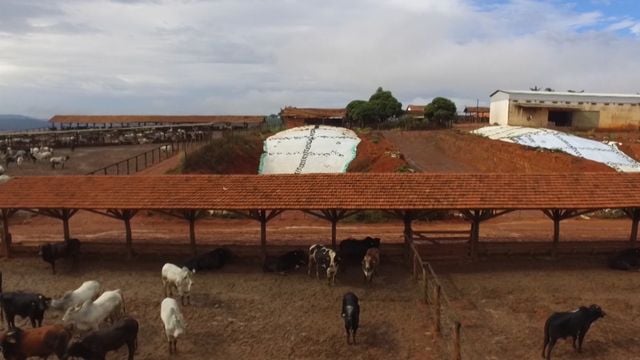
pixel 385 105
pixel 440 111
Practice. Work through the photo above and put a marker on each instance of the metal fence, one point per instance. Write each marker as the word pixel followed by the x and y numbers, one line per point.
pixel 146 159
pixel 447 324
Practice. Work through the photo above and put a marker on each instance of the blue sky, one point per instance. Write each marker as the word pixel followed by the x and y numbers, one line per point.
pixel 256 56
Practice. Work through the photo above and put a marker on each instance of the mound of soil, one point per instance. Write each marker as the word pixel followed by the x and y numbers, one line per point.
pixel 231 154
pixel 456 151
pixel 376 154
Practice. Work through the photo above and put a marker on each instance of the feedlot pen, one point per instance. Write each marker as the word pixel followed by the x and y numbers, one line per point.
pixel 242 313
pixel 503 305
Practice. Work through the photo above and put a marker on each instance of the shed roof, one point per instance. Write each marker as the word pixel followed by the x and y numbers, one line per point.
pixel 476 109
pixel 164 119
pixel 393 191
pixel 313 113
pixel 569 96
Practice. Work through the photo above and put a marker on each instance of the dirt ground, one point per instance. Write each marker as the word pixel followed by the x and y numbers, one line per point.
pixel 241 312
pixel 503 306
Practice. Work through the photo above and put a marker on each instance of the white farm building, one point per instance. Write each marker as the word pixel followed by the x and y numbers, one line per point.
pixel 565 109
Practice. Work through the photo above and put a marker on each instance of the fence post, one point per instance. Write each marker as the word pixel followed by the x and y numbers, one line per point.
pixel 117 168
pixel 145 159
pixel 437 309
pixel 425 285
pixel 137 162
pixel 105 171
pixel 457 355
pixel 415 267
pixel 128 166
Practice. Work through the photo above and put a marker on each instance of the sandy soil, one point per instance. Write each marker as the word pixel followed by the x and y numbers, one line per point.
pixel 242 313
pixel 503 306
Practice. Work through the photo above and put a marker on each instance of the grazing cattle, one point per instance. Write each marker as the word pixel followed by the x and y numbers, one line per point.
pixel 89 315
pixel 351 315
pixel 24 304
pixel 97 344
pixel 51 252
pixel 370 263
pixel 18 344
pixel 43 155
pixel 178 278
pixel 1 170
pixel 212 260
pixel 628 259
pixel 166 148
pixel 352 250
pixel 326 259
pixel 174 324
pixel 88 291
pixel 286 262
pixel 565 324
pixel 58 160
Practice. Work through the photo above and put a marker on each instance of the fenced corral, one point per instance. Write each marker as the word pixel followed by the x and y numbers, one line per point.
pixel 146 159
pixel 446 322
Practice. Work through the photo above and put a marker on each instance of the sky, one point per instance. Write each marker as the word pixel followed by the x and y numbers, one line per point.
pixel 257 56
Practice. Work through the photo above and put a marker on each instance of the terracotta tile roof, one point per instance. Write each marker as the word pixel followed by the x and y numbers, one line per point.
pixel 325 191
pixel 312 113
pixel 416 108
pixel 165 119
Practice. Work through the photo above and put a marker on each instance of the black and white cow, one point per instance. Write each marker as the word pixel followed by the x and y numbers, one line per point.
pixel 212 260
pixel 286 262
pixel 51 252
pixel 351 315
pixel 561 325
pixel 326 259
pixel 353 251
pixel 97 344
pixel 628 259
pixel 24 304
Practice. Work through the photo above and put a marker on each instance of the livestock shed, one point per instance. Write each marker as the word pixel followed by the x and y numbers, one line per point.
pixel 332 197
pixel 416 111
pixel 294 117
pixel 565 109
pixel 476 113
pixel 86 121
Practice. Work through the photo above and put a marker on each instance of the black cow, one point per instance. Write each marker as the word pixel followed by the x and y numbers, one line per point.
pixel 351 315
pixel 565 324
pixel 97 344
pixel 51 252
pixel 326 259
pixel 353 251
pixel 628 259
pixel 28 305
pixel 212 260
pixel 286 262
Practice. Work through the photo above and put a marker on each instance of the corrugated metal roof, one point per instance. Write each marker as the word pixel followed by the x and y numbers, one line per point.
pixel 164 119
pixel 575 96
pixel 393 191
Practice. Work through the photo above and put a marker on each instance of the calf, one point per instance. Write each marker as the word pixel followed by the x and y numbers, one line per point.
pixel 351 315
pixel 286 262
pixel 178 278
pixel 370 263
pixel 89 316
pixel 565 324
pixel 212 260
pixel 89 290
pixel 97 344
pixel 352 250
pixel 28 305
pixel 42 342
pixel 628 259
pixel 326 259
pixel 174 324
pixel 69 248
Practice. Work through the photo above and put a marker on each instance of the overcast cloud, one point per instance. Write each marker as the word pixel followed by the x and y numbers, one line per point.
pixel 256 56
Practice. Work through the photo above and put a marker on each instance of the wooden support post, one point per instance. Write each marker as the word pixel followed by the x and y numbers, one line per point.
pixel 127 229
pixel 438 311
pixel 475 238
pixel 425 286
pixel 192 234
pixel 65 227
pixel 556 236
pixel 634 214
pixel 128 166
pixel 457 354
pixel 263 232
pixel 334 224
pixel 6 236
pixel 408 233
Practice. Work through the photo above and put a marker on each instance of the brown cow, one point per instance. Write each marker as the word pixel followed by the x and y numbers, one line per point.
pixel 370 263
pixel 18 344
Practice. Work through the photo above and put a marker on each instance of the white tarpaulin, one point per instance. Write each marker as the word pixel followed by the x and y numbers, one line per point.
pixel 309 149
pixel 606 153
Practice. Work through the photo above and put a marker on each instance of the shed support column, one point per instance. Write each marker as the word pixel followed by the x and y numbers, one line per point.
pixel 556 236
pixel 334 224
pixel 475 238
pixel 192 234
pixel 408 232
pixel 634 214
pixel 263 232
pixel 558 215
pixel 6 236
pixel 127 228
pixel 65 226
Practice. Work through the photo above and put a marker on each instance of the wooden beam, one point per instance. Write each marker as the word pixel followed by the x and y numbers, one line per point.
pixel 634 215
pixel 6 235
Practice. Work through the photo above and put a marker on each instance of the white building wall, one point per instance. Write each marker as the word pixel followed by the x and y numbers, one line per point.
pixel 499 112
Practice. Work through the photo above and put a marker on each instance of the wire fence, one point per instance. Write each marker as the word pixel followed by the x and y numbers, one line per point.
pixel 447 324
pixel 147 159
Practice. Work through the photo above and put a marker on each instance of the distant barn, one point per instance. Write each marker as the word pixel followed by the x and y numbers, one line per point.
pixel 416 111
pixel 294 117
pixel 104 121
pixel 476 113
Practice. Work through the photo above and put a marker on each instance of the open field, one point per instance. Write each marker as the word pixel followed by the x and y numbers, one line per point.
pixel 504 304
pixel 242 313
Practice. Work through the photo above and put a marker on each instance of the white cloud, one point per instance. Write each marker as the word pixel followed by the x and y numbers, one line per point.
pixel 252 56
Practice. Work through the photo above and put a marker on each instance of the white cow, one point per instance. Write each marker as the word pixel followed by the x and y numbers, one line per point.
pixel 173 321
pixel 89 316
pixel 58 160
pixel 178 278
pixel 89 290
pixel 166 148
pixel 43 155
pixel 1 170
